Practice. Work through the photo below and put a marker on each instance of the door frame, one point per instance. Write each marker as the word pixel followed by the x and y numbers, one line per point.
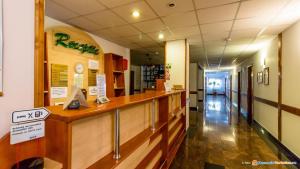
pixel 239 94
pixel 250 95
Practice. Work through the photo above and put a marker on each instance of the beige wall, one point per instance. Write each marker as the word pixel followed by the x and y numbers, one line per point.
pixel 175 55
pixel 290 86
pixel 107 46
pixel 18 59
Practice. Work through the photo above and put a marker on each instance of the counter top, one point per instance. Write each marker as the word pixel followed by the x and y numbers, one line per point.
pixel 94 109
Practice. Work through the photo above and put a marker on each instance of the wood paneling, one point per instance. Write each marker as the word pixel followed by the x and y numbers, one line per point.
pixel 160 84
pixel 94 109
pixel 290 109
pixel 265 101
pixel 11 154
pixel 39 54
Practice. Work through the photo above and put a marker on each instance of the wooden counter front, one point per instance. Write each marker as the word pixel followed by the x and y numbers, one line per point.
pixel 84 138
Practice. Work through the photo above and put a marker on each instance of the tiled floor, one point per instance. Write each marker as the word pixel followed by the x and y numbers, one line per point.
pixel 217 136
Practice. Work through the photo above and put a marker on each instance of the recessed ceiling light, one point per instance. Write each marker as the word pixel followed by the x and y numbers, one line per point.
pixel 136 13
pixel 171 4
pixel 161 35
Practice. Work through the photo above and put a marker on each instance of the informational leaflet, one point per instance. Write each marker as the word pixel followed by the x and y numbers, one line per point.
pixel 101 85
pixel 93 64
pixel 59 92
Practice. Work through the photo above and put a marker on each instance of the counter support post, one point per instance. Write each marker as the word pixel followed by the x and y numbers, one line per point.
pixel 117 135
pixel 153 115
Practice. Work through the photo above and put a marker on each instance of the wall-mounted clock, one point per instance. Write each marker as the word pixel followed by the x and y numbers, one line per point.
pixel 79 68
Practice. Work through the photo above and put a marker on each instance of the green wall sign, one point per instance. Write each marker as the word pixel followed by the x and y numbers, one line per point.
pixel 62 39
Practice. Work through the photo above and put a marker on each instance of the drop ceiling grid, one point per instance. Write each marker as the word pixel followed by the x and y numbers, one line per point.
pixel 241 27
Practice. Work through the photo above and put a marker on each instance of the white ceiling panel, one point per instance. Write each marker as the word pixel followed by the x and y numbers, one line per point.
pixel 84 24
pixel 217 36
pixel 216 27
pixel 260 8
pixel 125 11
pixel 216 14
pixel 195 39
pixel 275 30
pixel 244 34
pixel 181 20
pixel 81 7
pixel 186 31
pixel 211 3
pixel 58 12
pixel 106 19
pixel 124 31
pixel 251 23
pixel 115 3
pixel 163 9
pixel 289 14
pixel 150 26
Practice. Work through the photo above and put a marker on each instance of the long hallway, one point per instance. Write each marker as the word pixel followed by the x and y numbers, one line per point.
pixel 218 136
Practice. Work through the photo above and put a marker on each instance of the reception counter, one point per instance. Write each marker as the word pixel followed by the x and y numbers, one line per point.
pixel 138 131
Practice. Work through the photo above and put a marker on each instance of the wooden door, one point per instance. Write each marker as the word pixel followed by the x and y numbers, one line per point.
pixel 249 97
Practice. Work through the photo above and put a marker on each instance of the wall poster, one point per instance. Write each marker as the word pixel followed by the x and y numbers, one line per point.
pixel 1 52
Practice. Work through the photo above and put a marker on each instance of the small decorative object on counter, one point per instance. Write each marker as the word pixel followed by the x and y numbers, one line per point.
pixel 74 98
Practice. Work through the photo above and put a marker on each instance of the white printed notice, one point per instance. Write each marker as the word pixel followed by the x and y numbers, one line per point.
pixel 93 64
pixel 28 131
pixel 101 85
pixel 59 92
pixel 93 90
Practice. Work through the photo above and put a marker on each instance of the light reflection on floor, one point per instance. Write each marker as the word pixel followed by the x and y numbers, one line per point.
pixel 216 135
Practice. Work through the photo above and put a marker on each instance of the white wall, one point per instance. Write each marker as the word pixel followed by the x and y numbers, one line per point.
pixel 107 46
pixel 18 59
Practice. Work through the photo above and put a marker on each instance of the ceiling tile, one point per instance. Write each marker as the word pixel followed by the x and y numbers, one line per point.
pixel 275 30
pixel 58 12
pixel 246 33
pixel 84 24
pixel 81 7
pixel 140 38
pixel 250 23
pixel 106 19
pixel 216 27
pixel 211 3
pixel 289 14
pixel 115 3
pixel 167 35
pixel 125 11
pixel 195 40
pixel 124 31
pixel 181 20
pixel 216 14
pixel 150 26
pixel 217 36
pixel 186 31
pixel 162 8
pixel 260 8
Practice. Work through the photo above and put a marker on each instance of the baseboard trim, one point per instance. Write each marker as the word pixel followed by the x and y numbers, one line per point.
pixel 282 148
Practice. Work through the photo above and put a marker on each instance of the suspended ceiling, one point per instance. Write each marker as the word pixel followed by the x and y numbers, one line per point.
pixel 206 24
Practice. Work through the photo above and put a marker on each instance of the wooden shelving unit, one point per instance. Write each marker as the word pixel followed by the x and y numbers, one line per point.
pixel 114 72
pixel 151 73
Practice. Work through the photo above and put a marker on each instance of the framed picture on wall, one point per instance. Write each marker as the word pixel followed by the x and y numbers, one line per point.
pixel 266 76
pixel 259 77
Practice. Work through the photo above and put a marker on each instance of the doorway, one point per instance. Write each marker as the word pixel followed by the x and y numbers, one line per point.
pixel 239 95
pixel 250 97
pixel 131 91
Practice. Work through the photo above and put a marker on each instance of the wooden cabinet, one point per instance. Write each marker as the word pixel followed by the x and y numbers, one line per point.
pixel 114 72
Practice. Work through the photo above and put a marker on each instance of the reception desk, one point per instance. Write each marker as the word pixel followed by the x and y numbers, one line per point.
pixel 138 131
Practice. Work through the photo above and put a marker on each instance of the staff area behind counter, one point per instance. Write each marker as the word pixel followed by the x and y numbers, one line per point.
pixel 138 131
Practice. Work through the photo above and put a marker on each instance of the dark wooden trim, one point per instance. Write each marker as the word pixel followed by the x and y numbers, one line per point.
pixel 265 101
pixel 200 100
pixel 279 86
pixel 290 109
pixel 39 52
pixel 281 148
pixel 143 164
pixel 193 108
pixel 200 90
pixel 193 92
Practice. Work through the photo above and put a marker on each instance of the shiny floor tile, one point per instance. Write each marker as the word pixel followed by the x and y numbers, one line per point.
pixel 216 135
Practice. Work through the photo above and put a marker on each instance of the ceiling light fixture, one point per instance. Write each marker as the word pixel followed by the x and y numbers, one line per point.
pixel 136 13
pixel 171 4
pixel 161 36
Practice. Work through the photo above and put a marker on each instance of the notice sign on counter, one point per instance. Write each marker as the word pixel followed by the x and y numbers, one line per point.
pixel 28 131
pixel 28 125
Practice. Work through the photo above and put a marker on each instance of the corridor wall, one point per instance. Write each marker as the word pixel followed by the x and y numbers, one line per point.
pixel 280 119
